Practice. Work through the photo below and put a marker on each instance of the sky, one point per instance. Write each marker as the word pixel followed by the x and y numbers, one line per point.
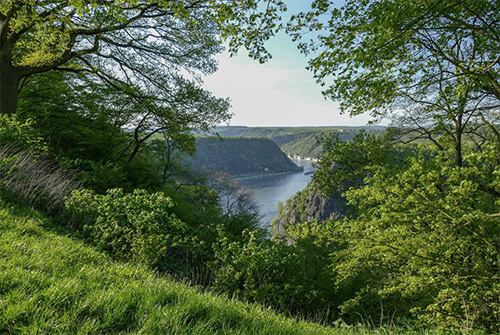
pixel 280 92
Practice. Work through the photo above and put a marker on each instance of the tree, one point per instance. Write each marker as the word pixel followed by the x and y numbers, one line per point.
pixel 83 119
pixel 427 233
pixel 448 114
pixel 396 56
pixel 168 152
pixel 425 236
pixel 78 118
pixel 139 47
pixel 343 165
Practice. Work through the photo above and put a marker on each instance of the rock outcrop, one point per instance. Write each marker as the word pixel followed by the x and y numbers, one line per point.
pixel 310 205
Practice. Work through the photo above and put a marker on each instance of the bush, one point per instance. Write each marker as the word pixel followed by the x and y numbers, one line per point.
pixel 430 235
pixel 138 226
pixel 98 176
pixel 20 135
pixel 289 276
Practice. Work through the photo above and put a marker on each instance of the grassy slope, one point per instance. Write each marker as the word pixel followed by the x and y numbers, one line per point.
pixel 52 283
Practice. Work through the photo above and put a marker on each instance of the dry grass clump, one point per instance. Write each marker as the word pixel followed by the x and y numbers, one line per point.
pixel 34 180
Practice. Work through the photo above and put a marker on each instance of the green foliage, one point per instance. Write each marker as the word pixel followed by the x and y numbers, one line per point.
pixel 310 204
pixel 427 237
pixel 346 164
pixel 21 134
pixel 381 50
pixel 290 277
pixel 148 228
pixel 169 151
pixel 200 208
pixel 77 118
pixel 197 206
pixel 52 283
pixel 422 245
pixel 113 42
pixel 82 122
pixel 138 226
pixel 98 176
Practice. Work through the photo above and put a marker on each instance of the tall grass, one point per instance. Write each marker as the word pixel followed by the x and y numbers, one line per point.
pixel 35 180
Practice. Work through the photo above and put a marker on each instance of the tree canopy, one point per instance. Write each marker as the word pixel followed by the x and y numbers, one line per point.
pixel 379 50
pixel 433 62
pixel 144 48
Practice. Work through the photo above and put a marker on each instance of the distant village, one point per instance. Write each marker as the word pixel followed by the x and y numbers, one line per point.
pixel 301 158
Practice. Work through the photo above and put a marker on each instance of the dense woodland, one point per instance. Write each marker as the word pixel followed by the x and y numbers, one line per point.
pixel 240 156
pixel 300 141
pixel 97 98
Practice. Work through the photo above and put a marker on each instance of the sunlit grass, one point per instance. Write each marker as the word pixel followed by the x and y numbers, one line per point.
pixel 54 284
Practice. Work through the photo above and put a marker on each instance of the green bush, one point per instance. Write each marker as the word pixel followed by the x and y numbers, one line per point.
pixel 291 276
pixel 98 176
pixel 138 226
pixel 21 135
pixel 427 239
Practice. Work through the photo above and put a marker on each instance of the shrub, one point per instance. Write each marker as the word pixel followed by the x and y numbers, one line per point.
pixel 98 176
pixel 138 226
pixel 292 277
pixel 20 135
pixel 431 235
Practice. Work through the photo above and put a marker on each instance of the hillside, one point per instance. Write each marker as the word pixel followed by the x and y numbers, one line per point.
pixel 241 156
pixel 300 141
pixel 52 283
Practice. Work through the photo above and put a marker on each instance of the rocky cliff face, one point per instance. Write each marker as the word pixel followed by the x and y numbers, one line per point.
pixel 309 205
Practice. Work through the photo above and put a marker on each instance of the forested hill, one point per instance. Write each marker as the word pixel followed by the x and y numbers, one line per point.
pixel 300 141
pixel 241 156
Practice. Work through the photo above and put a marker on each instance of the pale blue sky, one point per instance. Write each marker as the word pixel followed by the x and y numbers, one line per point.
pixel 280 92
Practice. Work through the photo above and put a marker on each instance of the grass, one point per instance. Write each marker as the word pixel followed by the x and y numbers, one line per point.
pixel 35 180
pixel 52 283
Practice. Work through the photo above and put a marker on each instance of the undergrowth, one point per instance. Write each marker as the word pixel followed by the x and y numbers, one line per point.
pixel 52 283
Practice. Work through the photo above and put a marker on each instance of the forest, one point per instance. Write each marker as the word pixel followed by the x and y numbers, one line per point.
pixel 105 229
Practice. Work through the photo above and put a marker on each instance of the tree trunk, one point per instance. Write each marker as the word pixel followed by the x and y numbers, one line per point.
pixel 9 86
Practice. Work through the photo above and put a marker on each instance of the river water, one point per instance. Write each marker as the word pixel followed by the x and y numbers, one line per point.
pixel 268 191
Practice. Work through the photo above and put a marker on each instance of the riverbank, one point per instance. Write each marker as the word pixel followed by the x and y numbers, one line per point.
pixel 263 175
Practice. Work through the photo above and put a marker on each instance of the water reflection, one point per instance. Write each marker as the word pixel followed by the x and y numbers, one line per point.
pixel 270 190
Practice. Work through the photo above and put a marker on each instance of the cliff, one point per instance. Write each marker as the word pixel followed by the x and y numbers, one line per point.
pixel 241 156
pixel 309 205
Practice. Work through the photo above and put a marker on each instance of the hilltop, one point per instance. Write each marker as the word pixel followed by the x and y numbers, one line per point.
pixel 300 141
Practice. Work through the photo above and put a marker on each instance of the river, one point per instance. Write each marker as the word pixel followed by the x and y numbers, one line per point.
pixel 268 191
